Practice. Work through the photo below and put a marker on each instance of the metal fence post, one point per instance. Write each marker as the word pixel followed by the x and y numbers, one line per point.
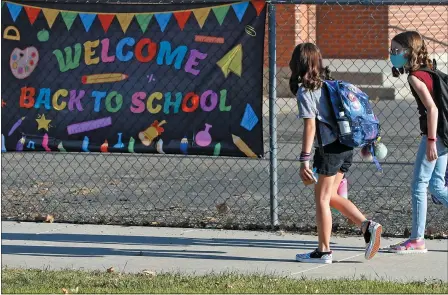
pixel 273 113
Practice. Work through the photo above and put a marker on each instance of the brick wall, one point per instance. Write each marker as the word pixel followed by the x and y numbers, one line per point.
pixel 356 31
pixel 295 24
pixel 352 31
pixel 430 21
pixel 286 26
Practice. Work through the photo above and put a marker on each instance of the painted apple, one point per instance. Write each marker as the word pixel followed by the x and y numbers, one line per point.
pixel 43 35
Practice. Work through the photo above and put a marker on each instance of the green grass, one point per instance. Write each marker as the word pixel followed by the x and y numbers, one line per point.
pixel 52 282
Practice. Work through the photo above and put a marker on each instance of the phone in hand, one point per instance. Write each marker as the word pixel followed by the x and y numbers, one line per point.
pixel 311 181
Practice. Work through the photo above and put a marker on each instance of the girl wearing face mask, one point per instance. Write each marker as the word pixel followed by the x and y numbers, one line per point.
pixel 409 54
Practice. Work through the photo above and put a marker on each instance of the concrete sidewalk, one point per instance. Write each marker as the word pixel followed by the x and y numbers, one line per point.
pixel 133 249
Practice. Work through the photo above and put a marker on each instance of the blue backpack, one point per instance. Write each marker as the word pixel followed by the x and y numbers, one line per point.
pixel 351 107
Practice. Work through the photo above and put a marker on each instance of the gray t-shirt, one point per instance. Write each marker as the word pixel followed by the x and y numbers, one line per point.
pixel 314 104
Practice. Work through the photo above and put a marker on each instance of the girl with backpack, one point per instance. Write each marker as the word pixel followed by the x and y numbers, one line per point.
pixel 330 162
pixel 408 53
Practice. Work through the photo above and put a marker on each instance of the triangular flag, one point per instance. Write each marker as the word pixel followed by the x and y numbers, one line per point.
pixel 87 20
pixel 143 20
pixel 221 12
pixel 240 9
pixel 68 17
pixel 259 5
pixel 14 10
pixel 125 20
pixel 201 15
pixel 32 13
pixel 106 20
pixel 232 61
pixel 50 15
pixel 163 19
pixel 182 18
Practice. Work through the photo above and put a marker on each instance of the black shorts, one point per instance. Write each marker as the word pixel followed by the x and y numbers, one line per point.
pixel 337 157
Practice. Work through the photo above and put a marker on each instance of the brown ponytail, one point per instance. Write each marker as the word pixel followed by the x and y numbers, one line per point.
pixel 422 57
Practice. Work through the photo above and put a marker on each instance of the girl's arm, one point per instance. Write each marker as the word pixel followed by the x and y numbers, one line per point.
pixel 309 131
pixel 432 114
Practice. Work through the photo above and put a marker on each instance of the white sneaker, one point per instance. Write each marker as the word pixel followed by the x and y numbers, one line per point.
pixel 316 257
pixel 372 237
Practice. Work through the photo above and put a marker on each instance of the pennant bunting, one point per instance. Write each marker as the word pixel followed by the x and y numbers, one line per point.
pixel 14 10
pixel 125 20
pixel 68 17
pixel 240 9
pixel 182 18
pixel 50 15
pixel 106 21
pixel 258 5
pixel 221 12
pixel 163 19
pixel 32 13
pixel 87 20
pixel 201 15
pixel 143 21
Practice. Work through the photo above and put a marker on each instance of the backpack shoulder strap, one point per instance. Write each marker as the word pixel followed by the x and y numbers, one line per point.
pixel 319 136
pixel 437 76
pixel 329 86
pixel 441 100
pixel 427 70
pixel 435 72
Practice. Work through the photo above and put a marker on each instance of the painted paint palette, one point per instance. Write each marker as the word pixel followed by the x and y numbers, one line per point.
pixel 23 62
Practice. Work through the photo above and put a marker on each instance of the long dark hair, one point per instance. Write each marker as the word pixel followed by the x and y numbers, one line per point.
pixel 417 51
pixel 306 68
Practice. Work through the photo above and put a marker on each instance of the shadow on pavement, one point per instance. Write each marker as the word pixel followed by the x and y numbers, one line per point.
pixel 90 252
pixel 154 241
pixel 171 241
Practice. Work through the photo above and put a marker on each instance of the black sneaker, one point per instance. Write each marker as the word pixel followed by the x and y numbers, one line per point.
pixel 372 237
pixel 316 257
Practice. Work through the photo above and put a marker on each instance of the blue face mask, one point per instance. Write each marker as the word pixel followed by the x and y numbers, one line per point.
pixel 398 60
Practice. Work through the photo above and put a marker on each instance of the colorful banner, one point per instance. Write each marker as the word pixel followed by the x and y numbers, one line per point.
pixel 174 79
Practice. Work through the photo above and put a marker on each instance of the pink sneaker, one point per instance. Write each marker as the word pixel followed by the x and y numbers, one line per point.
pixel 409 247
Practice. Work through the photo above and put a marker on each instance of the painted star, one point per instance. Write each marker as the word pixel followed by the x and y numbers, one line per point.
pixel 3 103
pixel 43 123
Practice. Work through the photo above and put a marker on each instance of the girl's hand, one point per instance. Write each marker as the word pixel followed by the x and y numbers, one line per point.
pixel 431 151
pixel 306 174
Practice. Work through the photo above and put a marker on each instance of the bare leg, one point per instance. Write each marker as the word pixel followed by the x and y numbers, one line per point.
pixel 346 207
pixel 323 193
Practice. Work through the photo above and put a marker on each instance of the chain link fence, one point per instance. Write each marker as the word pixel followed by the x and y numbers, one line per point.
pixel 239 193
